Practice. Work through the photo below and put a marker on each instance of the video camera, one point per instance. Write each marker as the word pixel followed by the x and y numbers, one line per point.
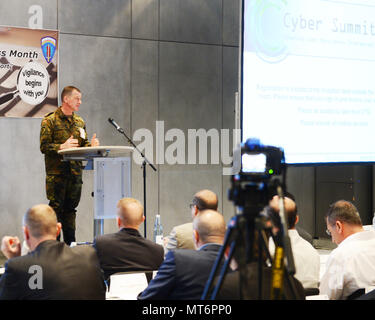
pixel 263 169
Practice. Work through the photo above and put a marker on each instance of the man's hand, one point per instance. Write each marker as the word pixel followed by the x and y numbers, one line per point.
pixel 11 247
pixel 70 143
pixel 94 141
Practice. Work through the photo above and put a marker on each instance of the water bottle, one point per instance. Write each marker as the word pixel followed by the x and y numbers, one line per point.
pixel 158 230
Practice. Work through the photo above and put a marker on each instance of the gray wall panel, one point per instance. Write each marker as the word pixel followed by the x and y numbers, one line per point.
pixel 228 206
pixel 230 85
pixel 190 92
pixel 144 84
pixel 18 13
pixel 231 22
pixel 21 172
pixel 144 116
pixel 99 17
pixel 178 184
pixel 145 19
pixel 191 21
pixel 190 98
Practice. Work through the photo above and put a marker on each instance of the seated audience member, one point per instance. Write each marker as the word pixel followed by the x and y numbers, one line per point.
pixel 184 272
pixel 51 270
pixel 126 250
pixel 181 236
pixel 306 257
pixel 302 232
pixel 351 266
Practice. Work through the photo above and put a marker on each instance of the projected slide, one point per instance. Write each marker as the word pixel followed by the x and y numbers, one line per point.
pixel 308 78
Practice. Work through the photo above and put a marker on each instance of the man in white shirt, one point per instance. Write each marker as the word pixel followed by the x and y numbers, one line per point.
pixel 306 257
pixel 351 266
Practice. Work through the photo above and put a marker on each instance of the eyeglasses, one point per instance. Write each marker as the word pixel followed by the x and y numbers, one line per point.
pixel 191 205
pixel 328 232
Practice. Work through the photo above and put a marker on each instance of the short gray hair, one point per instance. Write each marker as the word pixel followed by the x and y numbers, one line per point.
pixel 343 211
pixel 131 211
pixel 41 220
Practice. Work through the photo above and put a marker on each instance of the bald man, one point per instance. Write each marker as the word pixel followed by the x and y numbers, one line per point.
pixel 126 250
pixel 51 269
pixel 184 273
pixel 181 236
pixel 306 257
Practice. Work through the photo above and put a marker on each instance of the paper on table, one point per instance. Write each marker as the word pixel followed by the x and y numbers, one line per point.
pixel 127 286
pixel 317 297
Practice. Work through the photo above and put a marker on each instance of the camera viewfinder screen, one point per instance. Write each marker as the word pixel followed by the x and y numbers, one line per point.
pixel 254 163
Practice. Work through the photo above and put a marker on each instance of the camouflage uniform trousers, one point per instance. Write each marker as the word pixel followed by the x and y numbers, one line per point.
pixel 64 194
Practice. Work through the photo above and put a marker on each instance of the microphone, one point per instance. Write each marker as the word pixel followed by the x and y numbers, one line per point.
pixel 114 124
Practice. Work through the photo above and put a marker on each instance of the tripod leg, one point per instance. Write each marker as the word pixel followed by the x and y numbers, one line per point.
pixel 144 198
pixel 245 254
pixel 224 271
pixel 260 266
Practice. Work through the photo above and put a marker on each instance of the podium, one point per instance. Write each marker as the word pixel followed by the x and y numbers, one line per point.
pixel 112 177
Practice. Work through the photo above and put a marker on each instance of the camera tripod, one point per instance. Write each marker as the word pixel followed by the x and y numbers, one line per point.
pixel 246 228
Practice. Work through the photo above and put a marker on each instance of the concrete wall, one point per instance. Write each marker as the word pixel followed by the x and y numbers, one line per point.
pixel 138 61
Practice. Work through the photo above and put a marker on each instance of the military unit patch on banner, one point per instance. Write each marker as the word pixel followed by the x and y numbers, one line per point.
pixel 48 45
pixel 28 72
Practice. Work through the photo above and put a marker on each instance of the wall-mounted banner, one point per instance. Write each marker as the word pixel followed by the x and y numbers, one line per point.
pixel 28 72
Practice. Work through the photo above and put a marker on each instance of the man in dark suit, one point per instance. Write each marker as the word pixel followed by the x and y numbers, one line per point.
pixel 126 250
pixel 51 270
pixel 184 272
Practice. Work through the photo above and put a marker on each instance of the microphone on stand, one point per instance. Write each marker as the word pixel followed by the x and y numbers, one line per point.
pixel 144 165
pixel 118 128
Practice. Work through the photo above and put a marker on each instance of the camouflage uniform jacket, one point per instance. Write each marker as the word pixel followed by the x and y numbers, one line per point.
pixel 56 128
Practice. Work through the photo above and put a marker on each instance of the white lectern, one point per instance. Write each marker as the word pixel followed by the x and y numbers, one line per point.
pixel 112 177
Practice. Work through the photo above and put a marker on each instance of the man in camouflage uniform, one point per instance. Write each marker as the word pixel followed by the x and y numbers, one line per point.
pixel 63 129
